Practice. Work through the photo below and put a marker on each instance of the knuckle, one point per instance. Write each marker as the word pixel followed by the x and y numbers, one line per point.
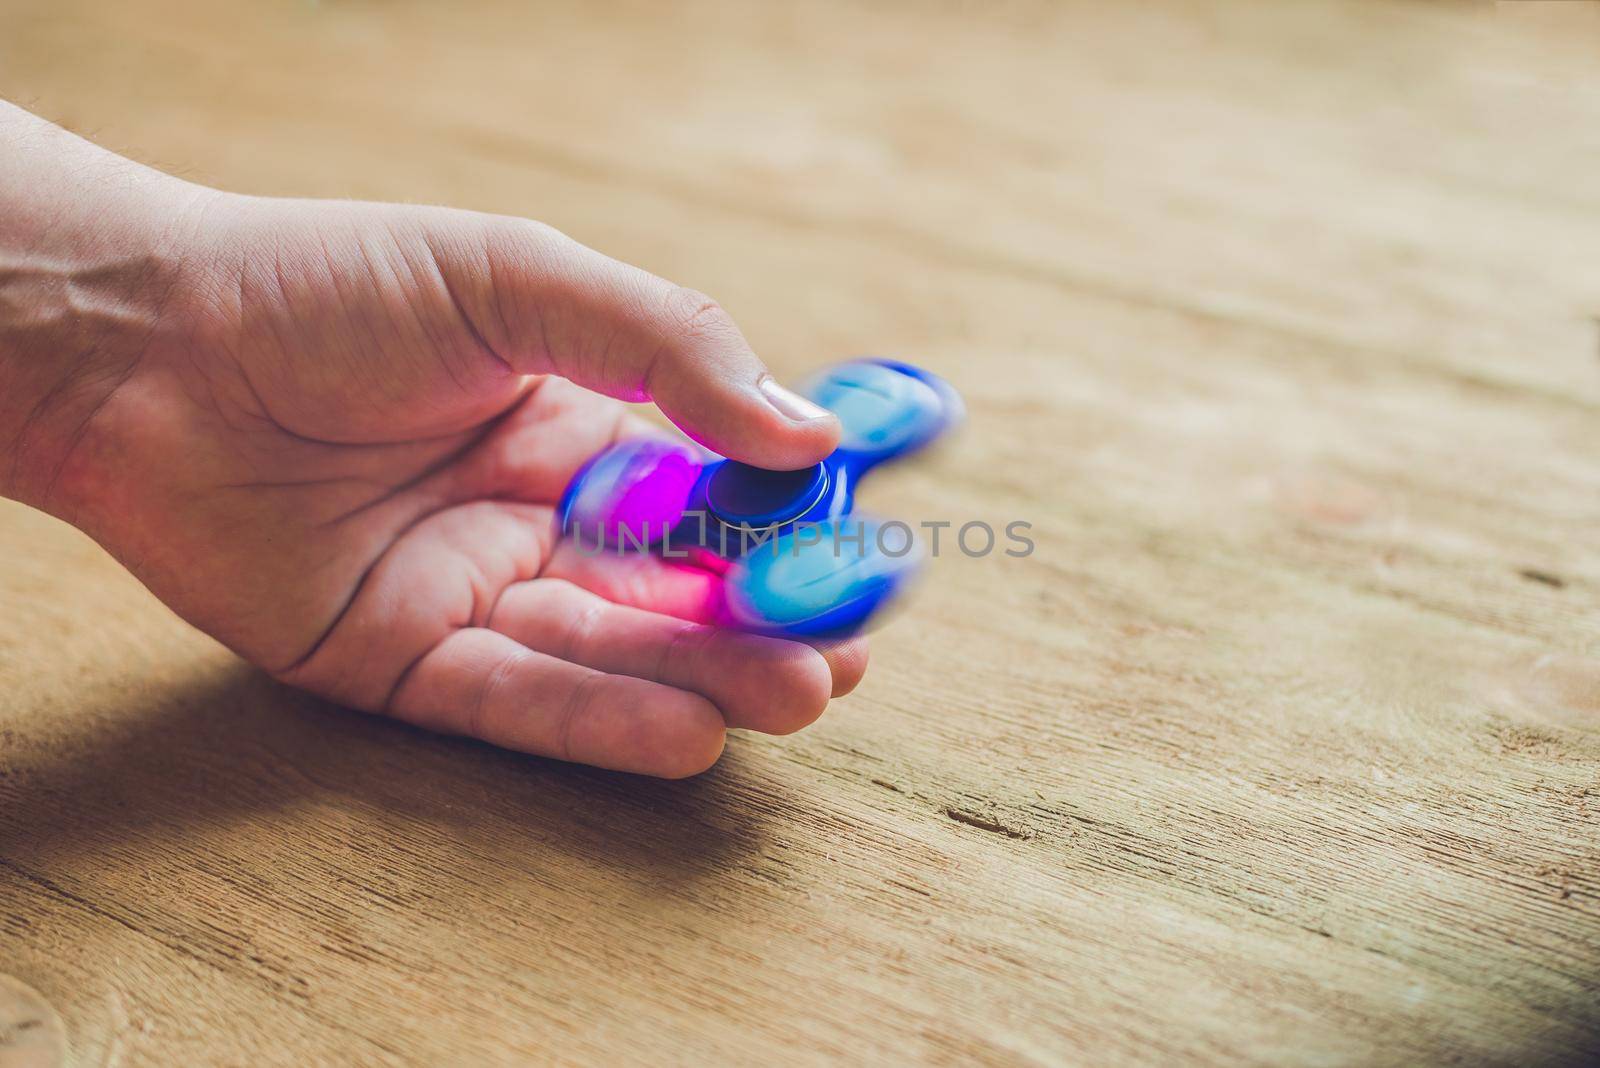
pixel 582 628
pixel 684 652
pixel 560 616
pixel 577 612
pixel 579 701
pixel 479 717
pixel 690 314
pixel 525 240
pixel 557 595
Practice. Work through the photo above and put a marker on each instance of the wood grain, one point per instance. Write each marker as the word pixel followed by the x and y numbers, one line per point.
pixel 1277 322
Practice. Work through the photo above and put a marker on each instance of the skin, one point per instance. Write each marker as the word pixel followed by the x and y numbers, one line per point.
pixel 332 435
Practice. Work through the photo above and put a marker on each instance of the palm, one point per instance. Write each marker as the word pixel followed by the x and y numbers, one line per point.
pixel 369 498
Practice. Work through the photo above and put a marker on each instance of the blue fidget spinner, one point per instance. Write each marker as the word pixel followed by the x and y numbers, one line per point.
pixel 795 560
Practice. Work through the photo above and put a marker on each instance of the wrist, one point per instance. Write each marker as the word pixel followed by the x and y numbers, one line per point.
pixel 93 272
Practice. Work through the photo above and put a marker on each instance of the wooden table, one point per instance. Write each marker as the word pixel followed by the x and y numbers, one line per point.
pixel 1277 324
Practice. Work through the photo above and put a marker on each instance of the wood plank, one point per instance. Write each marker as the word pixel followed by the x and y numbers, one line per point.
pixel 1277 325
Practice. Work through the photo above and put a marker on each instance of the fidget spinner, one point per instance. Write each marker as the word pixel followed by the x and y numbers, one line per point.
pixel 795 559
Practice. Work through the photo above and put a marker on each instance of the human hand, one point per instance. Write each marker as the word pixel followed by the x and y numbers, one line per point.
pixel 332 435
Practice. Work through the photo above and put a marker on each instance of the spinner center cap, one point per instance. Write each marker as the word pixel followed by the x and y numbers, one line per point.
pixel 745 496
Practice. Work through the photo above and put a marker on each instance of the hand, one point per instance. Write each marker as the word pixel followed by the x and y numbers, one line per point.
pixel 332 435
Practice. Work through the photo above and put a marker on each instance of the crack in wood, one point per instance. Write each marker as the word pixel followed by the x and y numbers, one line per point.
pixel 1534 574
pixel 985 823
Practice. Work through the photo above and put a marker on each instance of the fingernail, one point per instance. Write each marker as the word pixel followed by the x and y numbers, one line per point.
pixel 788 403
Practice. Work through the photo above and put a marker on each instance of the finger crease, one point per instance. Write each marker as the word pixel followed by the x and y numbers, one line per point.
pixel 579 629
pixel 479 714
pixel 579 699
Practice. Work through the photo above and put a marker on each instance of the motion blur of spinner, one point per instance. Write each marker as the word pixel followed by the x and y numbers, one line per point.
pixel 795 558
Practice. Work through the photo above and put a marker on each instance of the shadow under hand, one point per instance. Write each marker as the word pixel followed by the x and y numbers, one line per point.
pixel 236 768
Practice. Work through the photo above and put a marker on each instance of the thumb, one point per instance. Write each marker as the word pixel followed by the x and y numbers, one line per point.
pixel 559 307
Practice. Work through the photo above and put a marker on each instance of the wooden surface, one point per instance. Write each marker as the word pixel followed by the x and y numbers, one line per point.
pixel 1276 321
